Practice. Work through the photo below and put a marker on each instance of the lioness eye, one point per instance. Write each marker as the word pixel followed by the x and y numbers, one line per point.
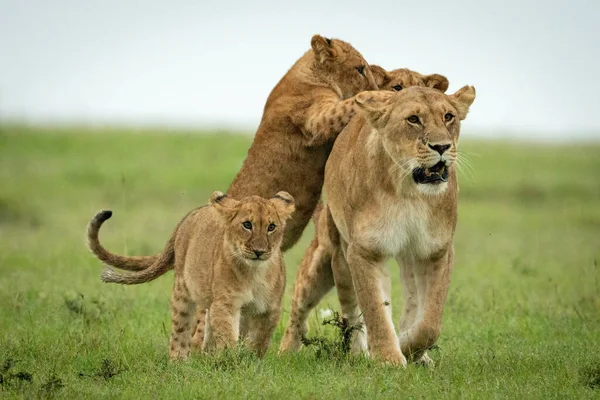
pixel 413 119
pixel 448 117
pixel 271 227
pixel 361 70
pixel 397 88
pixel 247 225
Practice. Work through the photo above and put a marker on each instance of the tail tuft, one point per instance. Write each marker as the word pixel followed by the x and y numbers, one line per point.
pixel 102 216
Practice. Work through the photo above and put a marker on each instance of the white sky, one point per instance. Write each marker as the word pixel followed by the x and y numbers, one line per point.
pixel 535 64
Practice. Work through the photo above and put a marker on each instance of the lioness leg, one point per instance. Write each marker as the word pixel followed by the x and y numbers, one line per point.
pixel 411 302
pixel 348 301
pixel 182 314
pixel 366 268
pixel 260 330
pixel 432 279
pixel 313 281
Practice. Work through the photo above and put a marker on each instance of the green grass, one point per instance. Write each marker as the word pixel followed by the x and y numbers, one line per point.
pixel 522 318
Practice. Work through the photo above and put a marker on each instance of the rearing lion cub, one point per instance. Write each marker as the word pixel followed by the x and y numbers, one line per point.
pixel 391 192
pixel 227 259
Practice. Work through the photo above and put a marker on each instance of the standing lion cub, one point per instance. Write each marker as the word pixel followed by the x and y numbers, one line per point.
pixel 227 259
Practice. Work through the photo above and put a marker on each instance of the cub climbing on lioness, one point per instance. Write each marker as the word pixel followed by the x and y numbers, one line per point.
pixel 227 259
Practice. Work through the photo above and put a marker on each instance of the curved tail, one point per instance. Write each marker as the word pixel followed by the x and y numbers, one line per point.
pixel 128 263
pixel 164 262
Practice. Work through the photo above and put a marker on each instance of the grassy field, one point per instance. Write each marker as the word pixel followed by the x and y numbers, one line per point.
pixel 522 318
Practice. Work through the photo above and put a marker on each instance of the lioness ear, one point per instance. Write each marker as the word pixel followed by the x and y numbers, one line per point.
pixel 226 206
pixel 323 48
pixel 462 100
pixel 373 104
pixel 381 75
pixel 436 81
pixel 284 204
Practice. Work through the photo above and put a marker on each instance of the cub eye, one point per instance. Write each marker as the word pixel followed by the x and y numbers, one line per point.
pixel 271 227
pixel 361 70
pixel 413 119
pixel 448 117
pixel 397 88
pixel 247 225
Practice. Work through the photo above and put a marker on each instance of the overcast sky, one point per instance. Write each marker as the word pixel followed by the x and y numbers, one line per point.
pixel 535 64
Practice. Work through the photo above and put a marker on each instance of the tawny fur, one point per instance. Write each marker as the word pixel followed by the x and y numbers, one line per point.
pixel 315 277
pixel 302 117
pixel 227 260
pixel 377 212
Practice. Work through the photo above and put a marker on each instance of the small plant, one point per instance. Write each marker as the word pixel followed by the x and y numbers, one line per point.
pixel 337 348
pixel 51 387
pixel 107 370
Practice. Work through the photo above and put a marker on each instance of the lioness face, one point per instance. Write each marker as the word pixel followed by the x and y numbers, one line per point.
pixel 343 66
pixel 419 128
pixel 254 226
pixel 403 78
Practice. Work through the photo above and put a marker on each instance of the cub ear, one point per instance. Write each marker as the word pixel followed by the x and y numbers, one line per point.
pixel 323 48
pixel 226 206
pixel 380 75
pixel 462 100
pixel 374 105
pixel 436 81
pixel 284 204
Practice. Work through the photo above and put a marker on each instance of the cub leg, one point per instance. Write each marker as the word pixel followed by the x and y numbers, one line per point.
pixel 225 322
pixel 198 338
pixel 366 268
pixel 182 313
pixel 260 330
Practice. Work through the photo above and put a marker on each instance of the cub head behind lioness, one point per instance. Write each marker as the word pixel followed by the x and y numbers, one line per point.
pixel 402 78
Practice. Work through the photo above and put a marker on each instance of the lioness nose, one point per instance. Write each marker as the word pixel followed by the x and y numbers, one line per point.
pixel 440 148
pixel 258 253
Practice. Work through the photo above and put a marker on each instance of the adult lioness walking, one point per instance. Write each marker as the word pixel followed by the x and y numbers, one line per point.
pixel 391 189
pixel 315 276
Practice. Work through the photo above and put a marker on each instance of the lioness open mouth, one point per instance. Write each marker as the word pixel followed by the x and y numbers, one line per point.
pixel 432 175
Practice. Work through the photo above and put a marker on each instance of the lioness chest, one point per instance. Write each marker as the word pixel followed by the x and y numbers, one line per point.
pixel 400 228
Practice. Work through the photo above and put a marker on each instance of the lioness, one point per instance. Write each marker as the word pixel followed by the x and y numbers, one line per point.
pixel 315 276
pixel 391 189
pixel 227 259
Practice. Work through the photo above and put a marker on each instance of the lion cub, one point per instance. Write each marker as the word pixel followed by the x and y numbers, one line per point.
pixel 227 259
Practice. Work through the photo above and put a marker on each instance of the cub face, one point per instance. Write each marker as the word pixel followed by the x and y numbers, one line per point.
pixel 402 78
pixel 254 226
pixel 419 128
pixel 342 65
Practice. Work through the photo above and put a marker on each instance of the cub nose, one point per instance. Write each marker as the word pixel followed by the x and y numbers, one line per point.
pixel 440 148
pixel 258 253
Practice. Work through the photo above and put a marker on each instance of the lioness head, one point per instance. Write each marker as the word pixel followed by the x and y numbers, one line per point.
pixel 419 129
pixel 339 64
pixel 402 78
pixel 253 225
